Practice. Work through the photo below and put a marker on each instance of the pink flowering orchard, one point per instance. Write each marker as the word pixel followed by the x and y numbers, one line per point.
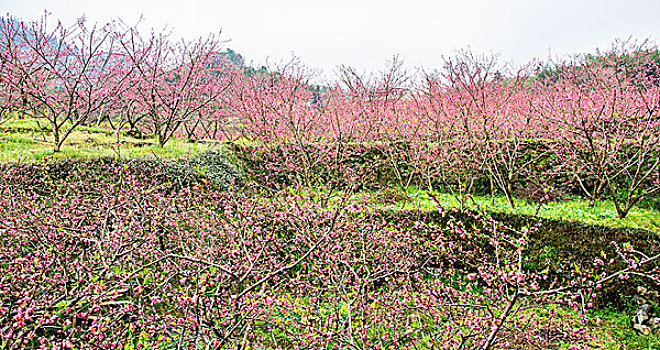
pixel 131 260
pixel 174 81
pixel 62 75
pixel 605 112
pixel 285 238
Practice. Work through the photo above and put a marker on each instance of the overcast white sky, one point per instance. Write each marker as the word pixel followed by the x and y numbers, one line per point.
pixel 367 33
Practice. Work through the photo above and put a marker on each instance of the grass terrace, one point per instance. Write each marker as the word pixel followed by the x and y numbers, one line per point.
pixel 25 140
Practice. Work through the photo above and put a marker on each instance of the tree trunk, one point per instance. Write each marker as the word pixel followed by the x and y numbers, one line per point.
pixel 598 188
pixel 56 138
pixel 509 199
pixel 622 213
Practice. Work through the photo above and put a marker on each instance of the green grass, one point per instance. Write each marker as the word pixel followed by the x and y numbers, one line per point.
pixel 576 210
pixel 23 140
pixel 610 328
pixel 603 213
pixel 614 332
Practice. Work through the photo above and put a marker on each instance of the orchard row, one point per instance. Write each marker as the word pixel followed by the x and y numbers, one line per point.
pixel 591 121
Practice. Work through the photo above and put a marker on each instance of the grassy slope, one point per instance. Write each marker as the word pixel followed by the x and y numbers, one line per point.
pixel 573 210
pixel 23 140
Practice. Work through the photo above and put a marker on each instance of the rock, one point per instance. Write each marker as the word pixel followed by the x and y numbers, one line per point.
pixel 638 300
pixel 640 318
pixel 654 323
pixel 642 329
